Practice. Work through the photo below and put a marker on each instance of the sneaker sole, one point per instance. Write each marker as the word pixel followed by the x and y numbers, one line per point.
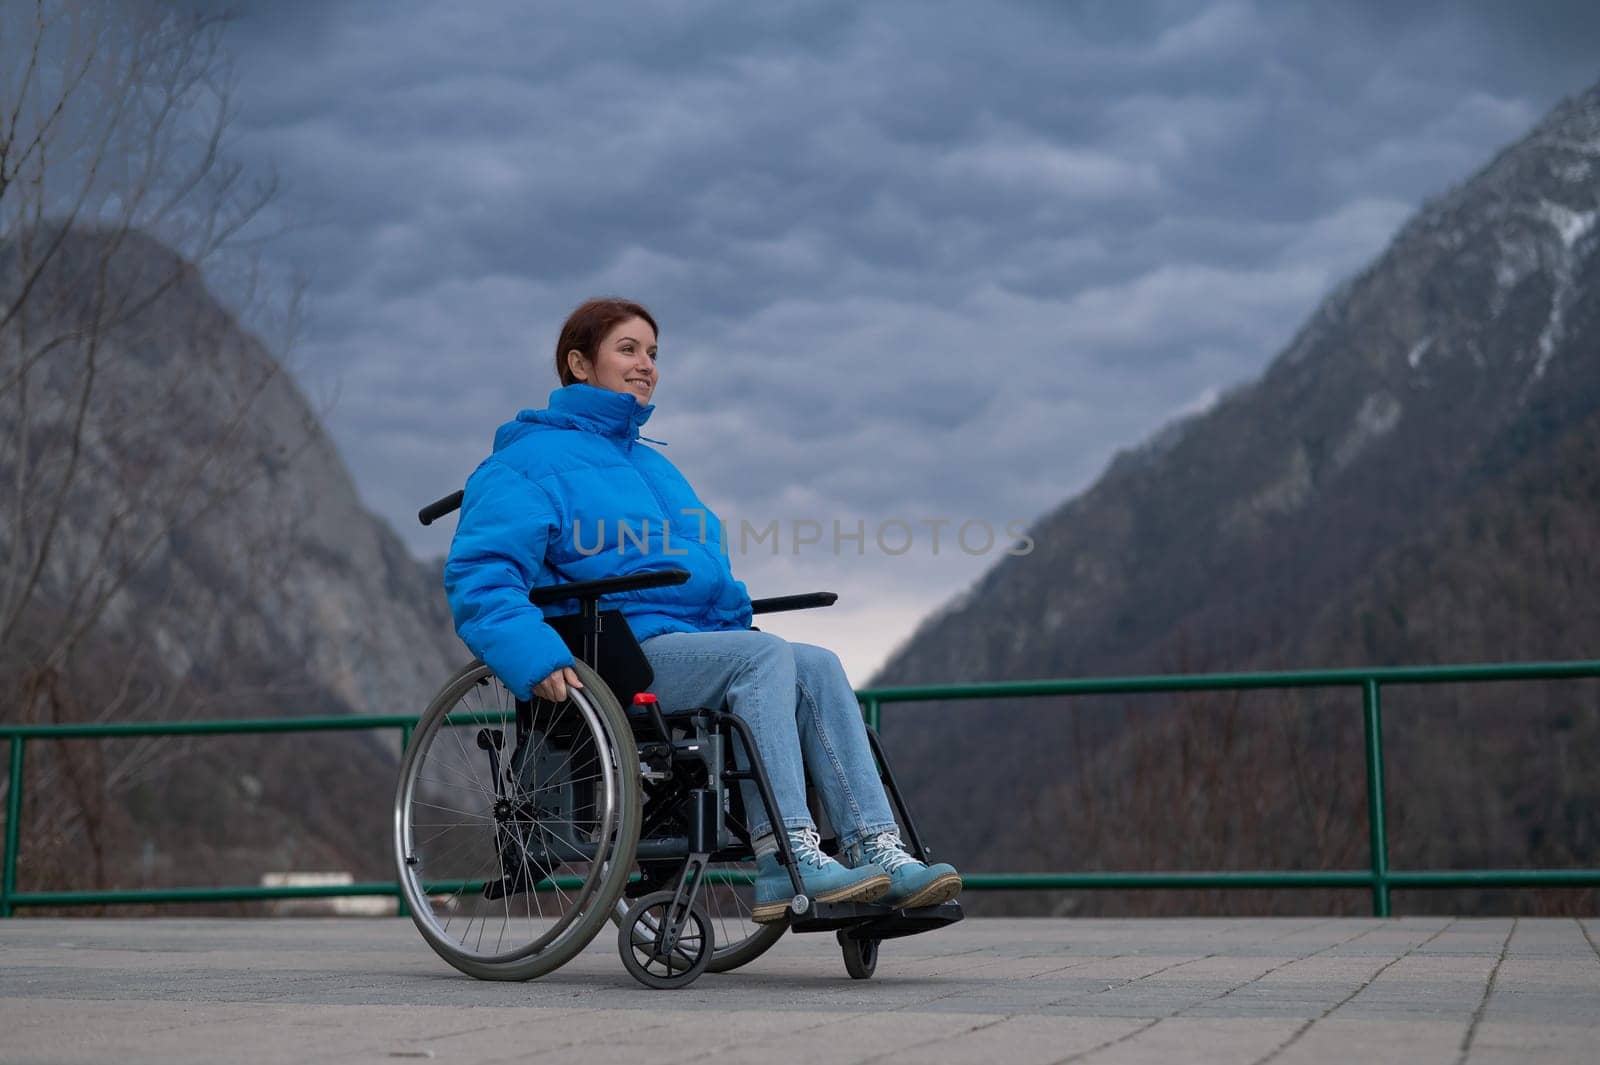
pixel 943 889
pixel 866 891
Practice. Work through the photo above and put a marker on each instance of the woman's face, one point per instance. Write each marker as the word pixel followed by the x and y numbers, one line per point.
pixel 626 361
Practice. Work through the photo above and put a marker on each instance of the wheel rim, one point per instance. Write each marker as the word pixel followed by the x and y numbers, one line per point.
pixel 685 954
pixel 454 833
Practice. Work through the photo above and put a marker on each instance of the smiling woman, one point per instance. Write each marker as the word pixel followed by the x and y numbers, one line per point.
pixel 582 463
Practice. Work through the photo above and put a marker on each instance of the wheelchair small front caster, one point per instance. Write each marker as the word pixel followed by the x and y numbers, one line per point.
pixel 653 963
pixel 860 955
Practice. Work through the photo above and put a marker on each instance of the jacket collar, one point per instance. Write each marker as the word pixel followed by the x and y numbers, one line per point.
pixel 594 410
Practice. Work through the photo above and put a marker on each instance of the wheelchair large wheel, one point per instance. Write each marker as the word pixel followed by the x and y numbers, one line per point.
pixel 512 853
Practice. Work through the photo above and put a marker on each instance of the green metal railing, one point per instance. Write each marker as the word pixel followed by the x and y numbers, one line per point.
pixel 1377 877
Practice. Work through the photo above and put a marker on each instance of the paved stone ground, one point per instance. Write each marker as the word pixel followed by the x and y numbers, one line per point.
pixel 1412 990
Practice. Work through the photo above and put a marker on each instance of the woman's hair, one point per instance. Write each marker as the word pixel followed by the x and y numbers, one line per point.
pixel 589 324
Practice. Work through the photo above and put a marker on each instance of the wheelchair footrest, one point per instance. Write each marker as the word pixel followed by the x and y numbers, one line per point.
pixel 830 916
pixel 897 923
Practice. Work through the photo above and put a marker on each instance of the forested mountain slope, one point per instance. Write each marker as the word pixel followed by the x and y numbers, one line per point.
pixel 1411 480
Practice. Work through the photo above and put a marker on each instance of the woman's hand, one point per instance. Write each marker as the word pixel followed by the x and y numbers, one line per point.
pixel 554 687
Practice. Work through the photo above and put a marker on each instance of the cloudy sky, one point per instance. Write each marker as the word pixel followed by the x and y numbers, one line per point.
pixel 912 262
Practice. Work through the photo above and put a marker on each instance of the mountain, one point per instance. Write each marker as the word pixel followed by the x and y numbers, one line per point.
pixel 1408 481
pixel 280 566
pixel 210 538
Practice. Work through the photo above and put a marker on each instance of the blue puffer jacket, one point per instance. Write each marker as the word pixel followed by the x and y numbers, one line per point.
pixel 570 494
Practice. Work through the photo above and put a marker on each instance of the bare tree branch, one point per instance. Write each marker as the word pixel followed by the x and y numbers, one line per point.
pixel 128 413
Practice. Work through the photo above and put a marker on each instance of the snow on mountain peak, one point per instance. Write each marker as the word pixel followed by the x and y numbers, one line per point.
pixel 1571 226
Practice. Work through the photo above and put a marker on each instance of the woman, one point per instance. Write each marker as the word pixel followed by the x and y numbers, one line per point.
pixel 571 493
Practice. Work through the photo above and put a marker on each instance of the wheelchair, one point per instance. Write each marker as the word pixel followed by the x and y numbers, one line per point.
pixel 521 827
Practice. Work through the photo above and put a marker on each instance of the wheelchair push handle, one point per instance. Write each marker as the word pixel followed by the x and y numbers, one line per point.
pixel 440 507
pixel 561 593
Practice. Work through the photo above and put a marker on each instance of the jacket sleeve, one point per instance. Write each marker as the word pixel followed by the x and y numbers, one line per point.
pixel 497 555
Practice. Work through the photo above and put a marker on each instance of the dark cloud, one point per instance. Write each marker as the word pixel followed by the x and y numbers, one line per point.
pixel 912 260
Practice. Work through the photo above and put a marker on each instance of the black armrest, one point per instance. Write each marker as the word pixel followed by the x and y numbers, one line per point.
pixel 793 602
pixel 560 593
pixel 440 507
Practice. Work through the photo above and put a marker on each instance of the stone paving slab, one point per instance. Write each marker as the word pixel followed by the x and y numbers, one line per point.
pixel 1281 991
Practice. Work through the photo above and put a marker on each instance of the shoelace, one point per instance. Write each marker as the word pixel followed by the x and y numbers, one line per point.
pixel 886 850
pixel 807 844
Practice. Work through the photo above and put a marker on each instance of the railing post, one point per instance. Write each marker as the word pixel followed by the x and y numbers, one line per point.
pixel 1378 833
pixel 8 875
pixel 870 713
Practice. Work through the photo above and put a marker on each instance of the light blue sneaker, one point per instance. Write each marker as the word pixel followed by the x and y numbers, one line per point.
pixel 825 880
pixel 911 883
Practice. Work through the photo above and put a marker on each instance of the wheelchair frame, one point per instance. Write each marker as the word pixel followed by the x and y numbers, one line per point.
pixel 685 759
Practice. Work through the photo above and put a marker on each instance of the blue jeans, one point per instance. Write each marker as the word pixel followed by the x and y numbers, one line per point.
pixel 802 712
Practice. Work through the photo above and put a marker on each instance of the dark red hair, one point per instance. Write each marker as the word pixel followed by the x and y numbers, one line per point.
pixel 587 326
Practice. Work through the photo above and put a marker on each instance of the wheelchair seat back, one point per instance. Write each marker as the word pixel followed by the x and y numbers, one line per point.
pixel 622 664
